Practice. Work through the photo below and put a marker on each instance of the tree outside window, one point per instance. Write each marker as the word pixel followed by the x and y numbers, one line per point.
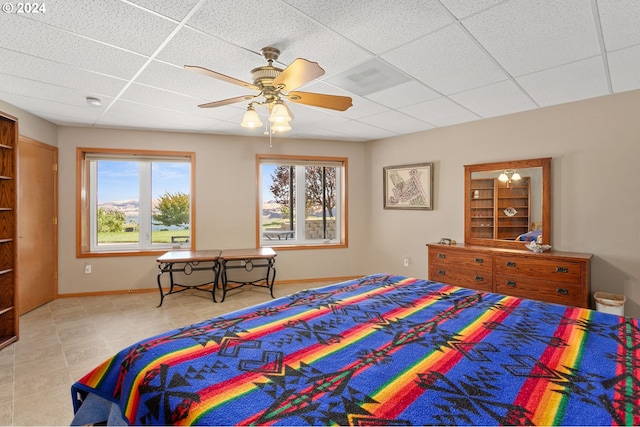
pixel 305 214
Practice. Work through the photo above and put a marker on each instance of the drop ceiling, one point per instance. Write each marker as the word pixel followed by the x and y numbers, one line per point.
pixel 416 64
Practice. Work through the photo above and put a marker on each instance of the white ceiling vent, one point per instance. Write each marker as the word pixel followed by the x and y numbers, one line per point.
pixel 369 77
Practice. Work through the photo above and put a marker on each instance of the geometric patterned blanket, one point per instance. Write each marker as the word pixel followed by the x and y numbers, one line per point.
pixel 382 350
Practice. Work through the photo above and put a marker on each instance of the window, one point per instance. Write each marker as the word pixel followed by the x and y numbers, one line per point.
pixel 302 201
pixel 134 201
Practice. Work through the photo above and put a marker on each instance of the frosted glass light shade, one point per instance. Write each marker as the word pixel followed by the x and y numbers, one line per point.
pixel 251 119
pixel 279 114
pixel 280 126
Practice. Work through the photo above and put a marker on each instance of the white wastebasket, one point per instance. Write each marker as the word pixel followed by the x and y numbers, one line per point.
pixel 610 303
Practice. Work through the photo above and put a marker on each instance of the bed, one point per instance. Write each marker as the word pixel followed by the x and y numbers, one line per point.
pixel 379 350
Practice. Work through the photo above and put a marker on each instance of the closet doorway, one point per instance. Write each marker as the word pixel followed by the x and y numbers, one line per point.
pixel 37 223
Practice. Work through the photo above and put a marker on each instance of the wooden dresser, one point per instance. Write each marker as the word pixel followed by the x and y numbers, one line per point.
pixel 557 277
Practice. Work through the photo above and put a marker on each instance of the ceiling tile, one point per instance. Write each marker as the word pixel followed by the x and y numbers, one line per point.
pixel 161 98
pixel 465 59
pixel 572 82
pixel 362 130
pixel 402 95
pixel 397 122
pixel 56 112
pixel 440 112
pixel 39 90
pixel 529 36
pixel 174 9
pixel 191 47
pixel 137 30
pixel 448 62
pixel 620 20
pixel 463 8
pixel 624 66
pixel 55 73
pixel 296 35
pixel 416 17
pixel 125 113
pixel 495 100
pixel 57 45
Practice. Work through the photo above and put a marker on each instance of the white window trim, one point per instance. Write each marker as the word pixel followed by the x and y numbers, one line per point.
pixel 299 162
pixel 86 235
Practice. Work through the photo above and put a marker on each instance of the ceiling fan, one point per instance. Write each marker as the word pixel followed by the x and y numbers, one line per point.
pixel 276 85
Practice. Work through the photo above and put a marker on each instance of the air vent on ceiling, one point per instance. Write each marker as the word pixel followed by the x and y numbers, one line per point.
pixel 369 77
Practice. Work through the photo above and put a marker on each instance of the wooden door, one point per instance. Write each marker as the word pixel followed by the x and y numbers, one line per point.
pixel 37 223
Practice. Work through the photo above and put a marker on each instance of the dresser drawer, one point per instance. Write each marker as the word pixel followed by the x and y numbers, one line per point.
pixel 525 287
pixel 474 260
pixel 555 270
pixel 478 280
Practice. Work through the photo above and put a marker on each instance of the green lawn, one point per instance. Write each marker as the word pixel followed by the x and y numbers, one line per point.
pixel 132 236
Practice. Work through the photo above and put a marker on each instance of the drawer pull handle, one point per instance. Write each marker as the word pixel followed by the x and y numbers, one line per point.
pixel 479 278
pixel 562 291
pixel 442 256
pixel 511 283
pixel 562 270
pixel 511 264
pixel 479 260
pixel 441 272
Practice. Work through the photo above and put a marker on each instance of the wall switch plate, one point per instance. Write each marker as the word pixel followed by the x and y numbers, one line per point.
pixel 406 262
pixel 87 269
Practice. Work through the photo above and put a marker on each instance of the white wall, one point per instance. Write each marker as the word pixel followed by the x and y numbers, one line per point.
pixel 595 146
pixel 32 126
pixel 225 205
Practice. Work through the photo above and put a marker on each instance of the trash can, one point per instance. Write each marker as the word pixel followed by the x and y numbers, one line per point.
pixel 610 303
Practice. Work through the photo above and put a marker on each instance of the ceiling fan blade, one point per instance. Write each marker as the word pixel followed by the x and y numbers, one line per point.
pixel 227 101
pixel 215 75
pixel 333 102
pixel 298 73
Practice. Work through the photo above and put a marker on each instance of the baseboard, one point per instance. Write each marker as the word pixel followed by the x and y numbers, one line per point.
pixel 148 290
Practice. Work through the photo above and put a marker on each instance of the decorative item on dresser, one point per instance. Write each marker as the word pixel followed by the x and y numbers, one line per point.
pixel 556 277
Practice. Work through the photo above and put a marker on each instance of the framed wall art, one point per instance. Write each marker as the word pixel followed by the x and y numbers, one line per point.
pixel 408 186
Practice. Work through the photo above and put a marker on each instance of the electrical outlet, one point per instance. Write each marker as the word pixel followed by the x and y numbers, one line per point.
pixel 87 268
pixel 406 262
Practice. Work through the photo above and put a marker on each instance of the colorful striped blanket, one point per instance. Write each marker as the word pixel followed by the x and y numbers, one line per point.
pixel 382 350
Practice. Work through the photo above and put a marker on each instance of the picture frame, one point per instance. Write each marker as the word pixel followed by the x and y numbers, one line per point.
pixel 408 186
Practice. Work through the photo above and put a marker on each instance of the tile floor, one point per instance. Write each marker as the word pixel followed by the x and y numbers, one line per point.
pixel 64 339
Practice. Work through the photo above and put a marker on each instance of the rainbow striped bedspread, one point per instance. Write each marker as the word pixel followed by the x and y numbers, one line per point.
pixel 382 350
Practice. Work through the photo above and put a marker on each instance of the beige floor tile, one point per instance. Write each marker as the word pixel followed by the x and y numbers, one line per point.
pixel 42 382
pixel 6 413
pixel 48 408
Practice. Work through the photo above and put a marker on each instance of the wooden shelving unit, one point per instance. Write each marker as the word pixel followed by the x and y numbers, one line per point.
pixel 512 195
pixel 489 198
pixel 483 208
pixel 8 295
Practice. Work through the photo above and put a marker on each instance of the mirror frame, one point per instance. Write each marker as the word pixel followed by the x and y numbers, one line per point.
pixel 545 164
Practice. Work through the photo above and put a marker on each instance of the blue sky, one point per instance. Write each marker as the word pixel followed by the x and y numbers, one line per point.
pixel 118 180
pixel 266 181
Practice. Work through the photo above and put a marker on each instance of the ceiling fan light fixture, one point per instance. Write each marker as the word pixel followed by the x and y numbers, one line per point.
pixel 280 126
pixel 251 119
pixel 279 114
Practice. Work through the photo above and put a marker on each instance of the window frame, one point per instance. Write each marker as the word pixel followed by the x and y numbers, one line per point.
pixel 83 200
pixel 342 240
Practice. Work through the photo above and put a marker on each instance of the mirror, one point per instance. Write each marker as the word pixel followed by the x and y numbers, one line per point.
pixel 508 204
